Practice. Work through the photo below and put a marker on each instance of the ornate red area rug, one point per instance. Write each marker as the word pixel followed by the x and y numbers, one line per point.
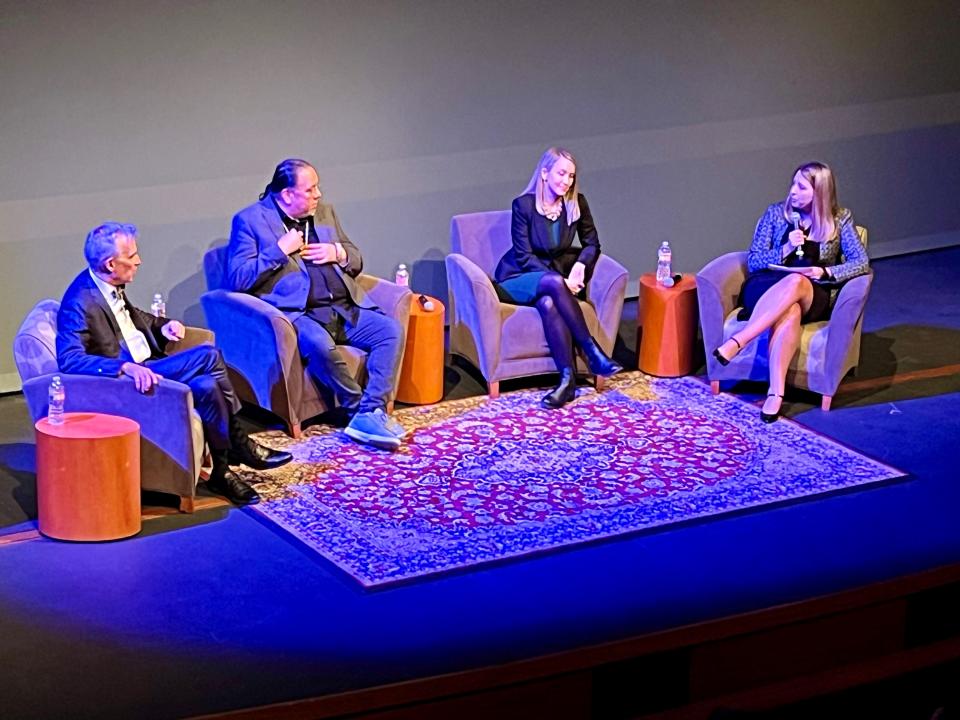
pixel 480 480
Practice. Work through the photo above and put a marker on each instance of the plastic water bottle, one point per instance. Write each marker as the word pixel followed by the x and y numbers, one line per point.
pixel 403 277
pixel 158 307
pixel 56 397
pixel 664 258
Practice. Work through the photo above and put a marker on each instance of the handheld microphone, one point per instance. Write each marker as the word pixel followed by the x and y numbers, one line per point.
pixel 795 219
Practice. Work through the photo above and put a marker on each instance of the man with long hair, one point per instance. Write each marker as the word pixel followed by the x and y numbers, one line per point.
pixel 290 250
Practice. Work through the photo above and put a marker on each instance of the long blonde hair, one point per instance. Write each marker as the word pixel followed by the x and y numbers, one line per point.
pixel 825 207
pixel 535 186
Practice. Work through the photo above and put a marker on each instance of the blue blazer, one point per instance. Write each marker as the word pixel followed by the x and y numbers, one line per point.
pixel 843 255
pixel 257 265
pixel 89 341
pixel 532 250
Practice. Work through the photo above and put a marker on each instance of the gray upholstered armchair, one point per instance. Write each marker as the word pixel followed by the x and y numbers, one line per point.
pixel 828 349
pixel 259 344
pixel 506 341
pixel 171 435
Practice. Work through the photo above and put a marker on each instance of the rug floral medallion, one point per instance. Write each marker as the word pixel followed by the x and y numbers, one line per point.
pixel 478 480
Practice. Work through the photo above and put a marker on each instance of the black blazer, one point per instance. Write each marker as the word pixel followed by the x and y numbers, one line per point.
pixel 532 251
pixel 88 336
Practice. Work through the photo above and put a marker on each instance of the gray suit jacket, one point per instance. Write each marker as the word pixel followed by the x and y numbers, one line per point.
pixel 257 265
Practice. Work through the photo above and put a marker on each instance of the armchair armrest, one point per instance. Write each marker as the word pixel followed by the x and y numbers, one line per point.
pixel 257 341
pixel 193 337
pixel 164 413
pixel 605 292
pixel 718 286
pixel 393 299
pixel 844 318
pixel 476 306
pixel 727 274
pixel 851 299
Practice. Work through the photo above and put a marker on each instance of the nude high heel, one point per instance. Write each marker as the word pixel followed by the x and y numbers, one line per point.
pixel 720 358
pixel 772 417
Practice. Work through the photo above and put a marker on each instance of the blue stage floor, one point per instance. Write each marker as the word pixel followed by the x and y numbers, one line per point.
pixel 231 614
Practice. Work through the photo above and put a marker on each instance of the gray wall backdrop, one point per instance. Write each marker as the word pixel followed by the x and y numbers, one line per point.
pixel 686 116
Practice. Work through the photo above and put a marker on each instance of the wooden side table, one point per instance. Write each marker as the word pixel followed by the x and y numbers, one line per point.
pixel 88 477
pixel 421 375
pixel 668 318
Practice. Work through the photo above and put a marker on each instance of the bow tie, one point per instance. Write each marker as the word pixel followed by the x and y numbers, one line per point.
pixel 120 294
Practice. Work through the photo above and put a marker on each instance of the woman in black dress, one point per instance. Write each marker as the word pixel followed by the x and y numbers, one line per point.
pixel 544 269
pixel 802 248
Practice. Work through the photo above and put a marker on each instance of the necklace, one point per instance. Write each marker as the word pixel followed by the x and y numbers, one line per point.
pixel 553 210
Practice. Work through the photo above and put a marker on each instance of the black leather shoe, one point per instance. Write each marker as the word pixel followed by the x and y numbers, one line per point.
pixel 562 393
pixel 597 360
pixel 244 451
pixel 223 481
pixel 772 417
pixel 256 456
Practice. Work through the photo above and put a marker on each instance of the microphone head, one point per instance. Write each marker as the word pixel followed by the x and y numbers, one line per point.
pixel 795 219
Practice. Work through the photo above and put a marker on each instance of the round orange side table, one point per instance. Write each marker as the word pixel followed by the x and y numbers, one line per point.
pixel 668 318
pixel 88 477
pixel 421 375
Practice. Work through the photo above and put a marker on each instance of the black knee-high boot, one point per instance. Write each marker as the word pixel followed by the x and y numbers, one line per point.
pixel 564 392
pixel 561 349
pixel 598 361
pixel 552 286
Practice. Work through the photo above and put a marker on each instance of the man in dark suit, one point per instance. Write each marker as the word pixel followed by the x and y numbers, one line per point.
pixel 99 332
pixel 290 250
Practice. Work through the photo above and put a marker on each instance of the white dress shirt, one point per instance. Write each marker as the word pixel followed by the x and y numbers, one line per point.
pixel 136 341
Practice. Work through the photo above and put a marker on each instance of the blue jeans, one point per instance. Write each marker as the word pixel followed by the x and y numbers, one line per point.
pixel 376 334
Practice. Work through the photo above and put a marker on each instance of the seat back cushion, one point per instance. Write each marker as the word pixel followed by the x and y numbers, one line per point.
pixel 482 237
pixel 215 268
pixel 35 344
